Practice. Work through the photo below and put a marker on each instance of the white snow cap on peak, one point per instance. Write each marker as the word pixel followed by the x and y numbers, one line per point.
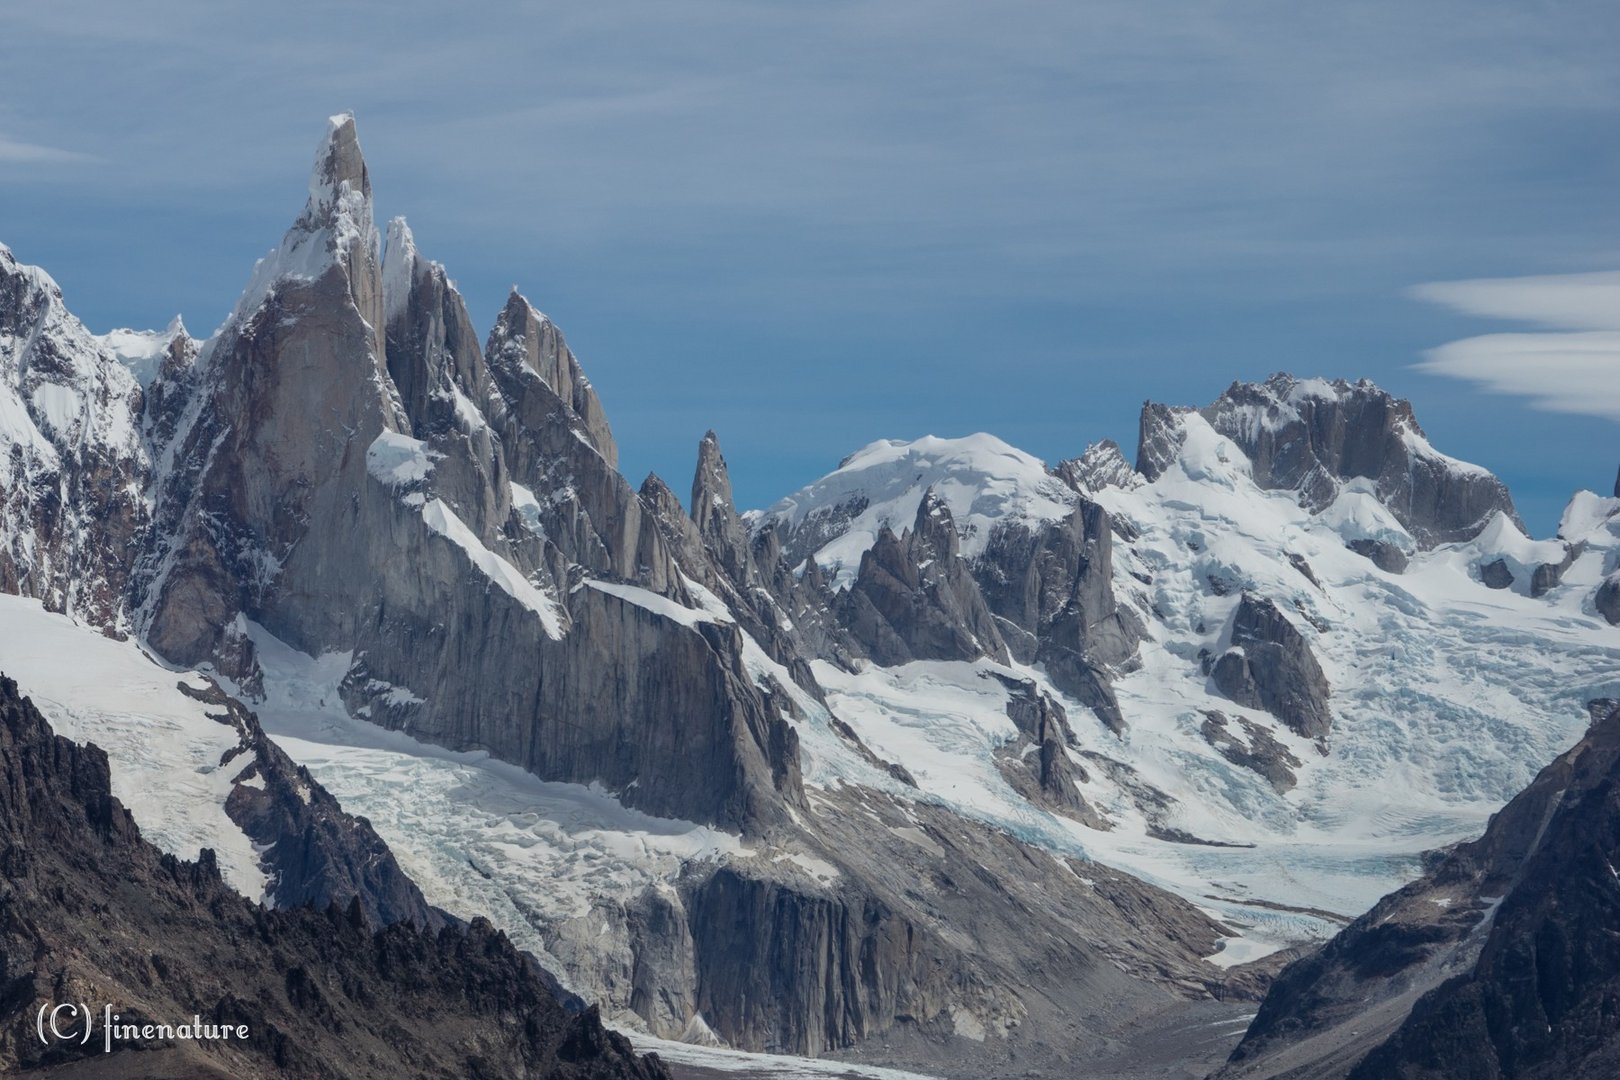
pixel 400 265
pixel 142 351
pixel 336 220
pixel 981 479
pixel 35 274
pixel 338 160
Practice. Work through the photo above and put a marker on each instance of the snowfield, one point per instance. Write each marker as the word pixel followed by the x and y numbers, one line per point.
pixel 983 480
pixel 163 749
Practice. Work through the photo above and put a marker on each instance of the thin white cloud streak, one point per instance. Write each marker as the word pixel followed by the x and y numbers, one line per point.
pixel 1576 373
pixel 13 152
pixel 1575 370
pixel 1559 301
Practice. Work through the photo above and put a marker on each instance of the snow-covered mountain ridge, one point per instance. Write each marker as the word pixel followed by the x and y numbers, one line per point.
pixel 1010 737
pixel 1451 670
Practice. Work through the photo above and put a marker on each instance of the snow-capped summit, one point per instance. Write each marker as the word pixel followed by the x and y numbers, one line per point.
pixel 1317 437
pixel 143 351
pixel 72 462
pixel 984 481
pixel 1293 647
pixel 335 229
pixel 400 266
pixel 1102 465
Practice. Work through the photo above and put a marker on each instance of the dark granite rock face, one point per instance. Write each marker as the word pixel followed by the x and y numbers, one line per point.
pixel 1270 666
pixel 1547 576
pixel 1384 555
pixel 438 511
pixel 807 965
pixel 316 855
pixel 1103 464
pixel 805 970
pixel 1311 436
pixel 584 508
pixel 1038 764
pixel 1158 437
pixel 715 515
pixel 1055 584
pixel 524 339
pixel 1496 575
pixel 259 501
pixel 915 599
pixel 446 389
pixel 1499 961
pixel 1258 750
pixel 90 912
pixel 748 575
pixel 1607 599
pixel 1540 1000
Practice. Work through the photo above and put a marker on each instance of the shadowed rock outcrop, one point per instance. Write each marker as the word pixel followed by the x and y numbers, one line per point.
pixel 91 912
pixel 314 854
pixel 1256 749
pixel 1054 585
pixel 1499 961
pixel 1312 436
pixel 1607 599
pixel 1103 464
pixel 915 599
pixel 1270 666
pixel 1038 764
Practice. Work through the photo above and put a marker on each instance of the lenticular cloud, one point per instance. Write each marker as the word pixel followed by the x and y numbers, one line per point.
pixel 1573 366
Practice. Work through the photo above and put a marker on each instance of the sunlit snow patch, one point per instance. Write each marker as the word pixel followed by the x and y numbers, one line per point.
pixel 163 749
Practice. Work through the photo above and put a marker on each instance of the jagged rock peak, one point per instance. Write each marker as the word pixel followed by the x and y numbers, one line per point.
pixel 339 208
pixel 60 377
pixel 716 516
pixel 335 229
pixel 72 463
pixel 1103 464
pixel 1322 437
pixel 987 483
pixel 28 277
pixel 400 265
pixel 711 484
pixel 934 525
pixel 340 168
pixel 148 353
pixel 524 335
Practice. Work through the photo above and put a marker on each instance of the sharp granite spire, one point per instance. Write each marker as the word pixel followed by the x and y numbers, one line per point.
pixel 522 334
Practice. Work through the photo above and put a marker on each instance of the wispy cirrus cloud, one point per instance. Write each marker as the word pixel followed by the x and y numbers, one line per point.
pixel 1573 366
pixel 16 152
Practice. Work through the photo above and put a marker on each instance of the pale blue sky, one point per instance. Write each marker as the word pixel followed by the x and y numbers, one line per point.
pixel 811 225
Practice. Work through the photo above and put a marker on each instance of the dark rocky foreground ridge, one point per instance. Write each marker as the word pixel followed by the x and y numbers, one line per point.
pixel 90 912
pixel 1500 962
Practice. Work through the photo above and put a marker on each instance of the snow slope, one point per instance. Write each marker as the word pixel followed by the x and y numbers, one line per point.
pixel 163 748
pixel 983 480
pixel 1447 695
